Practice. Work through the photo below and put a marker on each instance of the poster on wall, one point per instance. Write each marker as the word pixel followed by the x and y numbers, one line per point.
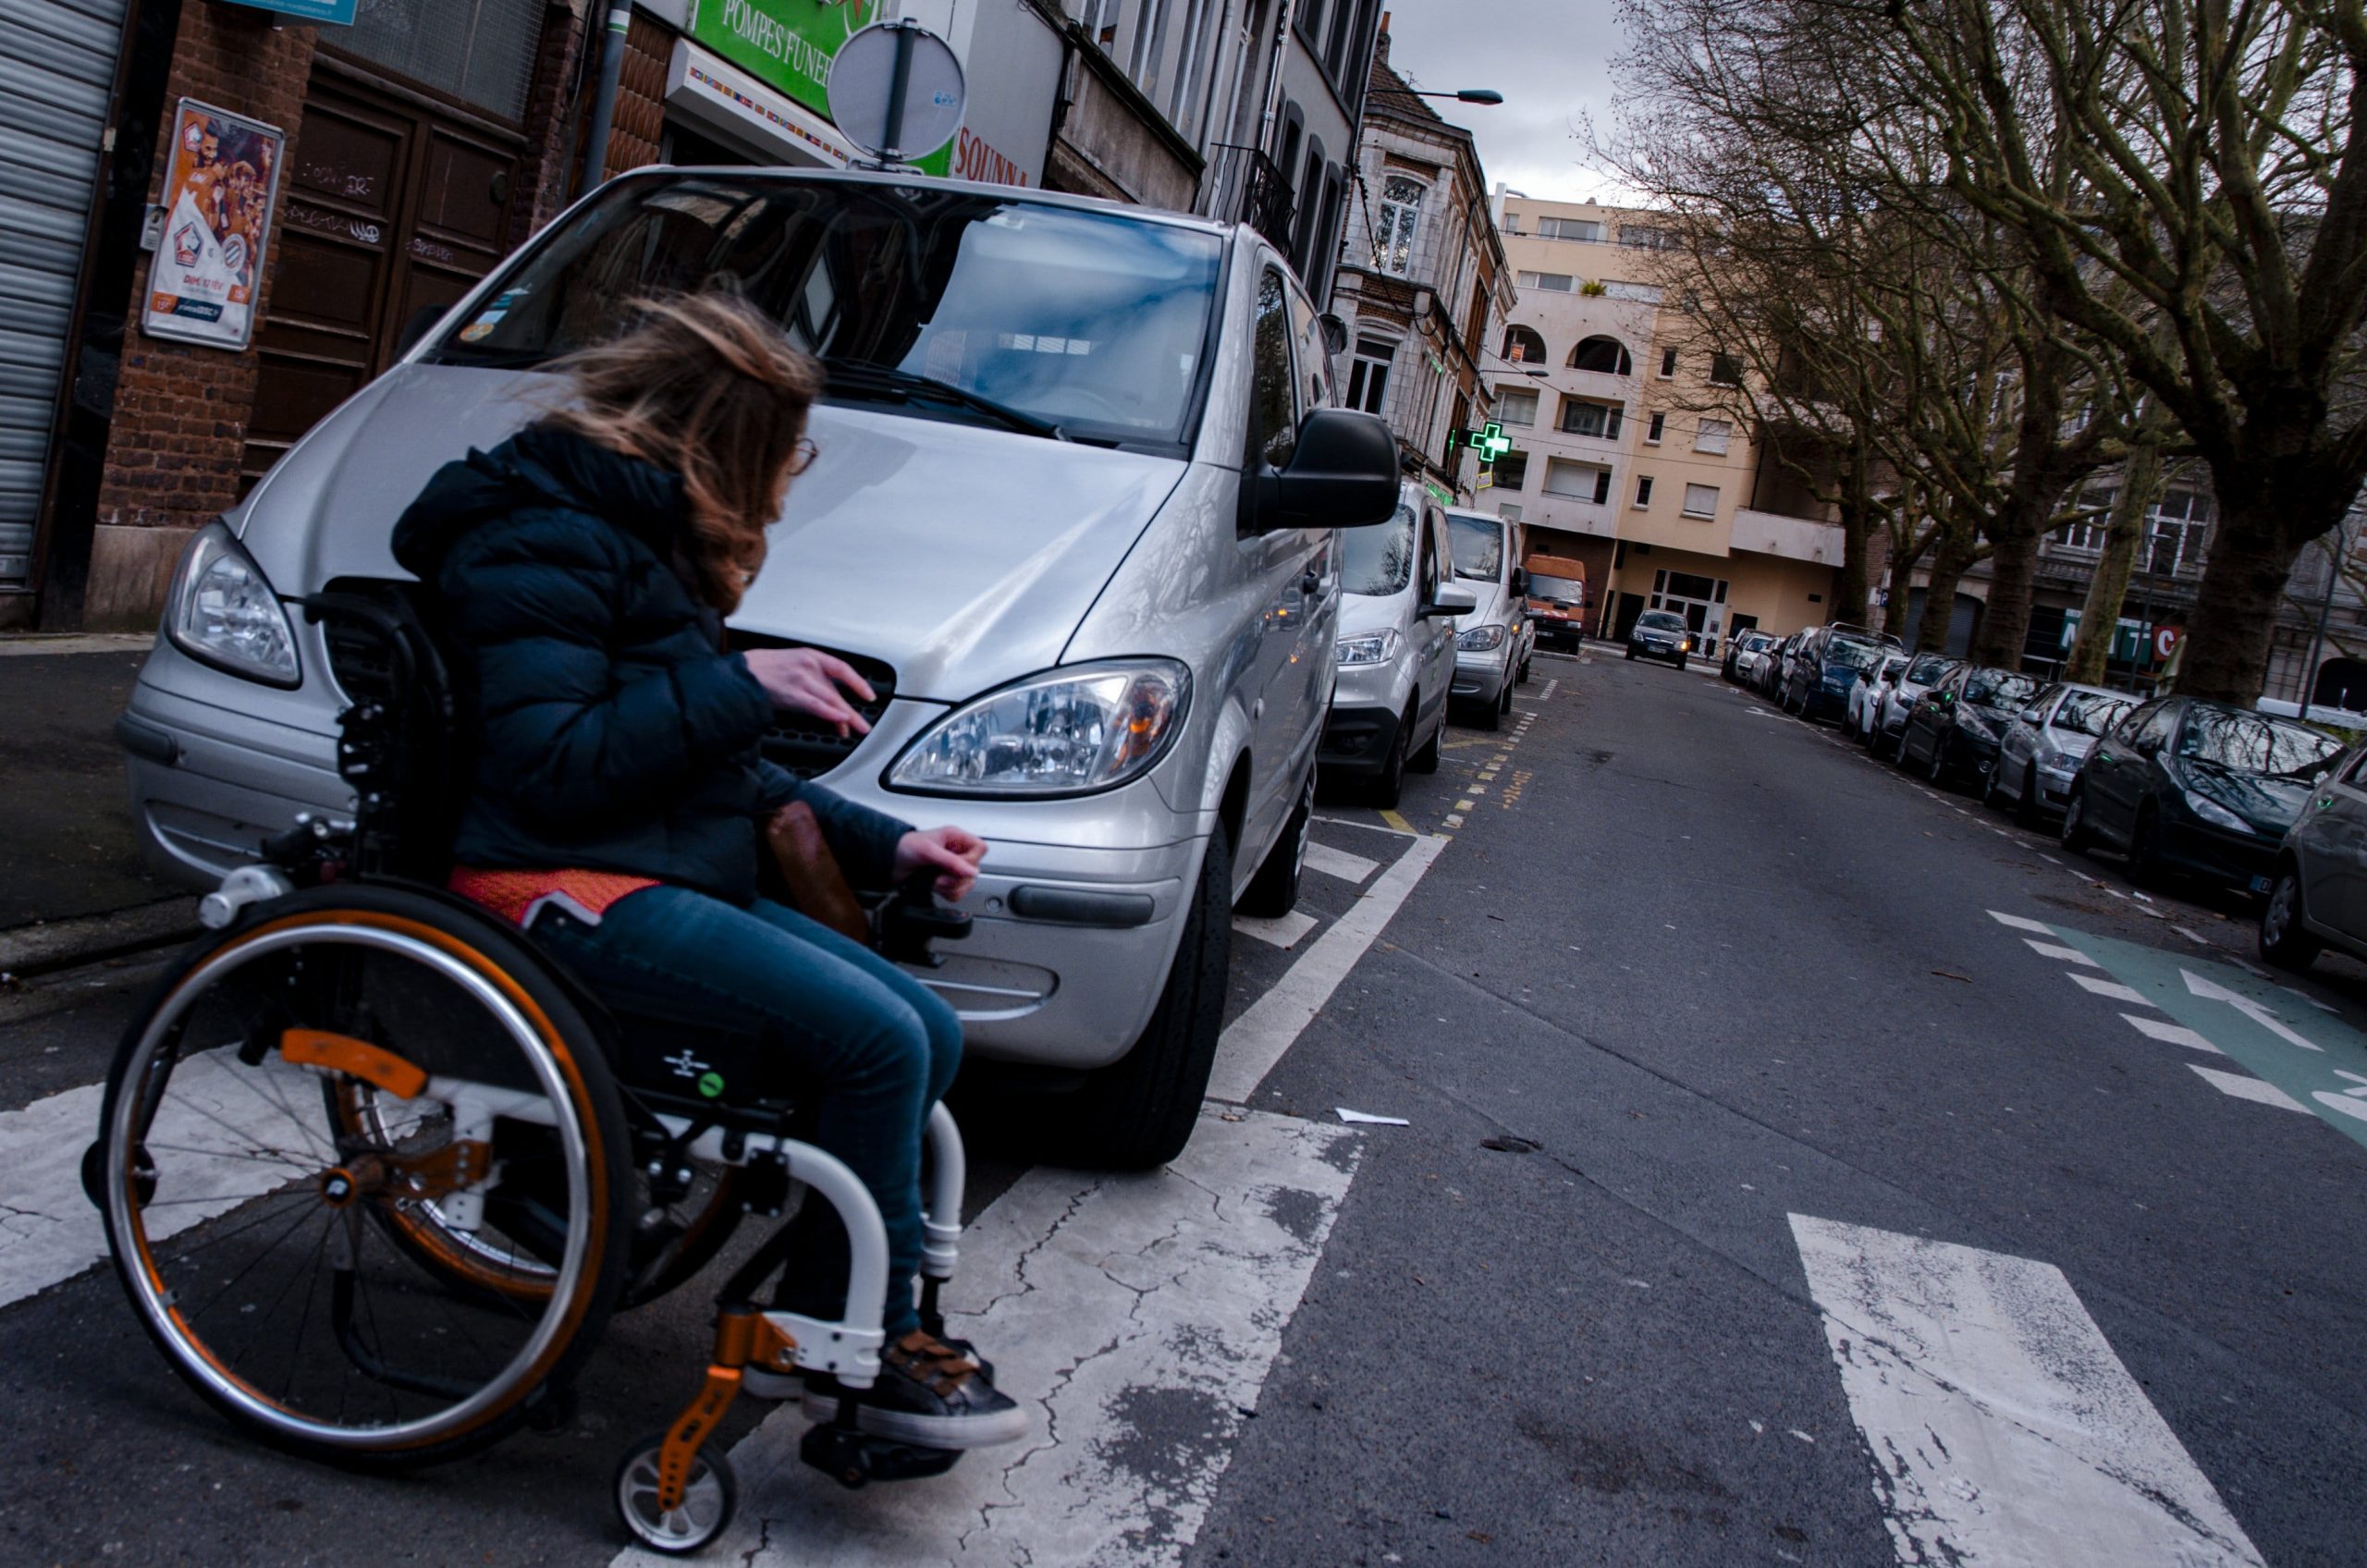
pixel 221 192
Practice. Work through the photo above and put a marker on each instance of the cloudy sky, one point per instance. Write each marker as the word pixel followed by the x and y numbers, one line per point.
pixel 1550 58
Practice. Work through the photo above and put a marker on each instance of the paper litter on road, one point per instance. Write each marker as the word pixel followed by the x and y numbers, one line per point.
pixel 1366 1118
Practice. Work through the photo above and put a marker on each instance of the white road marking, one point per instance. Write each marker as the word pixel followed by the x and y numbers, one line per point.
pixel 2304 996
pixel 1255 1041
pixel 49 1233
pixel 1283 930
pixel 1382 827
pixel 2020 923
pixel 2259 1012
pixel 2171 1033
pixel 1138 1316
pixel 2004 1429
pixel 1339 862
pixel 2112 989
pixel 2195 937
pixel 2060 953
pixel 2244 1086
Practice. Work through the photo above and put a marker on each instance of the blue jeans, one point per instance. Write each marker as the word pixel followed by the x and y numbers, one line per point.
pixel 879 1045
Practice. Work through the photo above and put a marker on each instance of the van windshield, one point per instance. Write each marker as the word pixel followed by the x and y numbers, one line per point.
pixel 1095 322
pixel 1561 590
pixel 1379 561
pixel 1479 548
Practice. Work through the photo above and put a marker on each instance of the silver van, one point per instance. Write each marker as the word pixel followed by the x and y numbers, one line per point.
pixel 1074 516
pixel 1396 650
pixel 1494 648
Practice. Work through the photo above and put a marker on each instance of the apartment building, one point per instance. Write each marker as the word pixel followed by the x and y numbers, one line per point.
pixel 1424 286
pixel 1634 449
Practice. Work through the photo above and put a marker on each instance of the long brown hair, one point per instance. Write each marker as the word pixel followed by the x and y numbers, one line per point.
pixel 705 385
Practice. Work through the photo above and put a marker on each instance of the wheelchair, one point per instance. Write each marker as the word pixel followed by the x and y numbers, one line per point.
pixel 376 1171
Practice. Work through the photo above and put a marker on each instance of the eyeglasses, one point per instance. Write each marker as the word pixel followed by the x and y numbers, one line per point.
pixel 802 456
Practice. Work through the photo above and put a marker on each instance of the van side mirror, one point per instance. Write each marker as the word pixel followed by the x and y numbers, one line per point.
pixel 1343 475
pixel 2033 716
pixel 1520 581
pixel 1450 601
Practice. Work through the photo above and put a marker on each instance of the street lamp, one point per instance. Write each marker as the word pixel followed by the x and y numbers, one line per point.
pixel 1461 95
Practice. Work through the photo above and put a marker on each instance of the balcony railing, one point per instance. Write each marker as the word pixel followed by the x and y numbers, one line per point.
pixel 1794 538
pixel 1244 186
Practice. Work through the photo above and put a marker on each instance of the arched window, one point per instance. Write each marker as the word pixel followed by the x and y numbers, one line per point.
pixel 1523 346
pixel 1399 221
pixel 1605 354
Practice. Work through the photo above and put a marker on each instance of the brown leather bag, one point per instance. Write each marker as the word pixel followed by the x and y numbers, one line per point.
pixel 818 887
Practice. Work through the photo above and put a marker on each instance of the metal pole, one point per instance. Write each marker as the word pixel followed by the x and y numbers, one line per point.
pixel 604 102
pixel 2325 612
pixel 897 87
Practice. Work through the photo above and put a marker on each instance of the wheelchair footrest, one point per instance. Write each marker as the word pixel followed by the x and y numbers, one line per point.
pixel 856 1459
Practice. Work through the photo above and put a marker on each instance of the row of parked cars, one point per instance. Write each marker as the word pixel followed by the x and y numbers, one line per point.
pixel 2174 784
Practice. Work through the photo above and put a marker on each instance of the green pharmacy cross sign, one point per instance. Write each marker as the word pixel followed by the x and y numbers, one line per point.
pixel 1489 442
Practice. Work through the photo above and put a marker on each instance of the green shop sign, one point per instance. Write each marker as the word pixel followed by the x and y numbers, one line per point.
pixel 789 44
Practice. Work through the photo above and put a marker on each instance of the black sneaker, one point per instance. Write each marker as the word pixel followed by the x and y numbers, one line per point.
pixel 930 1395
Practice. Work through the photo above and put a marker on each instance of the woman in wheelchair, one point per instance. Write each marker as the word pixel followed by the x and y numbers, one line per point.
pixel 582 570
pixel 450 1082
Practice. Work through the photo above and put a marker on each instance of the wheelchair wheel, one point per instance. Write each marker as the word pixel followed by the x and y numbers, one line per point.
pixel 708 1501
pixel 365 1180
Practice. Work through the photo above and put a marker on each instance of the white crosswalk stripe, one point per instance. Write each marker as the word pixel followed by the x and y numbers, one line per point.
pixel 1142 1312
pixel 2003 1427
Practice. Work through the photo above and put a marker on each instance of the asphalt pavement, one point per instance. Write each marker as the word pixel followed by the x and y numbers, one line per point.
pixel 1797 1164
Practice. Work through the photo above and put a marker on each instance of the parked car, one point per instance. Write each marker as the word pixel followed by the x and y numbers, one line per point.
pixel 1660 634
pixel 1074 518
pixel 1824 668
pixel 1779 662
pixel 1952 732
pixel 2180 784
pixel 2044 747
pixel 1491 651
pixel 1557 601
pixel 1923 672
pixel 2317 892
pixel 1866 693
pixel 1743 650
pixel 1395 654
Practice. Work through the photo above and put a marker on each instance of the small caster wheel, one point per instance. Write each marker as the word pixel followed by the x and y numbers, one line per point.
pixel 707 1502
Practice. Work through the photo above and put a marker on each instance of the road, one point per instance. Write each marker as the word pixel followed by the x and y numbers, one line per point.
pixel 1798 1166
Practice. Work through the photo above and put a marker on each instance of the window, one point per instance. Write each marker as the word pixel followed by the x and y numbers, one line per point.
pixel 1510 514
pixel 1380 561
pixel 2088 534
pixel 1643 491
pixel 1516 406
pixel 1712 436
pixel 1477 547
pixel 1570 228
pixel 1368 377
pixel 1668 363
pixel 1700 500
pixel 483 53
pixel 1551 282
pixel 1636 293
pixel 1647 237
pixel 1512 471
pixel 1606 355
pixel 1511 223
pixel 1274 416
pixel 2177 527
pixel 1455 427
pixel 1582 418
pixel 1653 429
pixel 1523 346
pixel 1725 370
pixel 1401 220
pixel 1574 481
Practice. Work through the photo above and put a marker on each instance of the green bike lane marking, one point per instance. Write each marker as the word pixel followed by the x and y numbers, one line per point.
pixel 2317 1059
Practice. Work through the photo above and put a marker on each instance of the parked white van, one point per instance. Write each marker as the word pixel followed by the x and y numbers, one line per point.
pixel 1396 650
pixel 1494 648
pixel 1072 516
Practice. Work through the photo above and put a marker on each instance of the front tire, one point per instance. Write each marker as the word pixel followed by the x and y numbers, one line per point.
pixel 2026 807
pixel 2285 941
pixel 2145 866
pixel 1427 760
pixel 1631 654
pixel 2078 837
pixel 1936 770
pixel 1273 891
pixel 1138 1112
pixel 1388 786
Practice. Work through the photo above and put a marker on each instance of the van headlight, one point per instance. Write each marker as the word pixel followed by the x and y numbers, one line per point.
pixel 1065 732
pixel 1479 638
pixel 221 609
pixel 1372 647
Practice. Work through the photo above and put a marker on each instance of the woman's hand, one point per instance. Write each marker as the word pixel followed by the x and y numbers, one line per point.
pixel 953 851
pixel 806 680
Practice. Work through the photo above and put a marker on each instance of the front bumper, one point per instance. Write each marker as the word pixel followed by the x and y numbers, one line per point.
pixel 222 763
pixel 2217 854
pixel 1668 653
pixel 1357 740
pixel 1480 676
pixel 1556 632
pixel 1825 701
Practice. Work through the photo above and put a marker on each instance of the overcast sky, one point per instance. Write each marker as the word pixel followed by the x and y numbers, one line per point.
pixel 1550 58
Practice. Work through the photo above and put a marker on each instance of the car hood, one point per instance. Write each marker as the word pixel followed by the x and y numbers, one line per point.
pixel 2271 805
pixel 1373 612
pixel 965 556
pixel 2069 745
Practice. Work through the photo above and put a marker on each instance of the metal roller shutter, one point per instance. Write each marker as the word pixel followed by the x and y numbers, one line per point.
pixel 58 67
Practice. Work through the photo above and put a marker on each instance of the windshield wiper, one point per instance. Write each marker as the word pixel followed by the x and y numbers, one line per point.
pixel 869 376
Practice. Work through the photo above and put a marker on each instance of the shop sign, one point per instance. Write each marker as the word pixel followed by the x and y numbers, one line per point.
pixel 783 43
pixel 335 13
pixel 221 192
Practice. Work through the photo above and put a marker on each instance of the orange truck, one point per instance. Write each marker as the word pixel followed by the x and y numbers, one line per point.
pixel 1557 599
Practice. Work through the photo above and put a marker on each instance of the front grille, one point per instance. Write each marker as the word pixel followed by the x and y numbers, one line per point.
pixel 360 659
pixel 805 747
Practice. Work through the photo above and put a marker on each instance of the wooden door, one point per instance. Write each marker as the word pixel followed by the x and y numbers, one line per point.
pixel 387 204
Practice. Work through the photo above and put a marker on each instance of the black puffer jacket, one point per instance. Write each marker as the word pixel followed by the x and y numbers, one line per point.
pixel 614 736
